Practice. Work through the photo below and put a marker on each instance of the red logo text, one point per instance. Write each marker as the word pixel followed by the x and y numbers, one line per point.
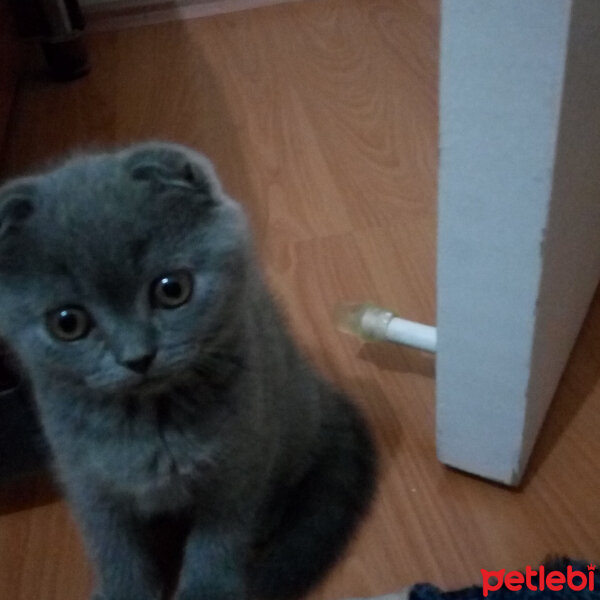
pixel 538 580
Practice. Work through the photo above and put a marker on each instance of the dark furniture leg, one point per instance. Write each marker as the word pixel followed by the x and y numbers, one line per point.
pixel 58 25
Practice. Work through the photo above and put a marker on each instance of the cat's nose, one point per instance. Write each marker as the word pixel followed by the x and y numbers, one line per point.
pixel 141 364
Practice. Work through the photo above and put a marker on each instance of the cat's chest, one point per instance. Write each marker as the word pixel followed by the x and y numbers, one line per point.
pixel 146 445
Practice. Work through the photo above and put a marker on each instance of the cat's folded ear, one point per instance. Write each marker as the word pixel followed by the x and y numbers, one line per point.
pixel 170 165
pixel 16 206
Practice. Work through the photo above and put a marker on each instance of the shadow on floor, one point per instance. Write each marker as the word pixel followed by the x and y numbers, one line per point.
pixel 579 380
pixel 392 357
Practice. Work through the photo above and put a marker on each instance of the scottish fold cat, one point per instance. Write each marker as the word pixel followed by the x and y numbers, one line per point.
pixel 174 401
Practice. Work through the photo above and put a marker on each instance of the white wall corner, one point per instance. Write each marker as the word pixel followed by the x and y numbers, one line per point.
pixel 519 219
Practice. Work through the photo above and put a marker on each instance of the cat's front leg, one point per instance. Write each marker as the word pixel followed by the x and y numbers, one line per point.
pixel 213 566
pixel 118 544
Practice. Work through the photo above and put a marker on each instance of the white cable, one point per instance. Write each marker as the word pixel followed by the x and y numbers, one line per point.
pixel 372 323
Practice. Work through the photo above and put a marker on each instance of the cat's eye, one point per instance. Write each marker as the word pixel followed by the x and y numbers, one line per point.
pixel 69 323
pixel 173 290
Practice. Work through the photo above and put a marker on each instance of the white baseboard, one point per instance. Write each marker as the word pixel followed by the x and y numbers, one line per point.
pixel 111 15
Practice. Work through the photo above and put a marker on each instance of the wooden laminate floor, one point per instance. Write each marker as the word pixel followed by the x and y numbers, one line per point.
pixel 321 119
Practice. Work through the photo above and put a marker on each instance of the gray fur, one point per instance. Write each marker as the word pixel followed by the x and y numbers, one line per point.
pixel 230 447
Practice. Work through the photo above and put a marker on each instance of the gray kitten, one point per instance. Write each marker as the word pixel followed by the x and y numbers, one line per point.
pixel 201 454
